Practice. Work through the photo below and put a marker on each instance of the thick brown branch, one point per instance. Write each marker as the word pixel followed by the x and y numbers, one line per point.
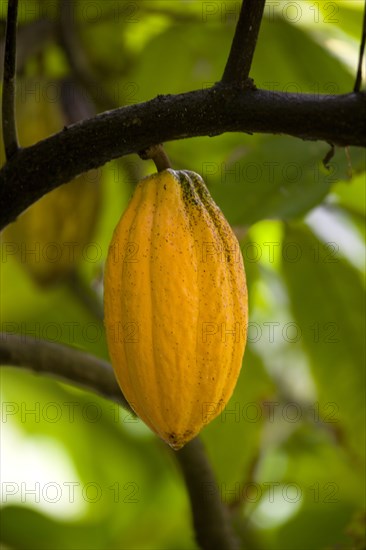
pixel 8 102
pixel 244 42
pixel 34 171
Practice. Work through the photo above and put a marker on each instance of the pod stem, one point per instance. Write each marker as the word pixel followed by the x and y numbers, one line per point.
pixel 211 518
pixel 158 155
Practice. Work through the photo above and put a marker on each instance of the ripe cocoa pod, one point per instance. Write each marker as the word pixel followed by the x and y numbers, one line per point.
pixel 49 238
pixel 175 302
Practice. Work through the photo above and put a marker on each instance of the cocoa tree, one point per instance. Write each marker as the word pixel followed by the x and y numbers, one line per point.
pixel 233 104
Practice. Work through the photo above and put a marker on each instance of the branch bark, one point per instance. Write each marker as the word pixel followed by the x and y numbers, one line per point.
pixel 8 101
pixel 210 517
pixel 244 42
pixel 38 169
pixel 62 361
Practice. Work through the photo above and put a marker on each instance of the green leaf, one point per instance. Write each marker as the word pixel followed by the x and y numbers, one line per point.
pixel 321 479
pixel 295 62
pixel 239 426
pixel 345 14
pixel 261 177
pixel 180 59
pixel 43 533
pixel 352 194
pixel 107 450
pixel 280 177
pixel 327 298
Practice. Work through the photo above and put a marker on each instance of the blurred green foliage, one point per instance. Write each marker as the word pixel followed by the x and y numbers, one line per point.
pixel 289 449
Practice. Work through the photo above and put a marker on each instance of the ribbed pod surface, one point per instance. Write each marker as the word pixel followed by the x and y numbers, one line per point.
pixel 175 305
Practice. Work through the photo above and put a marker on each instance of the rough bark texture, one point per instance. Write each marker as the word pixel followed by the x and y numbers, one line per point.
pixel 34 171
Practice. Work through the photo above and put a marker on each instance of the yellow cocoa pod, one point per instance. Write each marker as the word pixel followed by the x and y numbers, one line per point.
pixel 50 237
pixel 175 302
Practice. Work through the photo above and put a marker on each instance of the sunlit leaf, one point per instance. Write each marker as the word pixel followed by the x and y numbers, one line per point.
pixel 327 299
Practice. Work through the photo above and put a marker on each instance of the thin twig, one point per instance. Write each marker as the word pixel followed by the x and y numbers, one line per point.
pixel 9 80
pixel 362 51
pixel 75 102
pixel 31 39
pixel 85 295
pixel 328 157
pixel 244 42
pixel 68 38
pixel 211 519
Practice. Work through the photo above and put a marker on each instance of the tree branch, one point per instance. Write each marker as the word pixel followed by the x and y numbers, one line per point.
pixel 8 102
pixel 362 51
pixel 62 361
pixel 35 170
pixel 31 39
pixel 76 57
pixel 85 295
pixel 210 518
pixel 245 39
